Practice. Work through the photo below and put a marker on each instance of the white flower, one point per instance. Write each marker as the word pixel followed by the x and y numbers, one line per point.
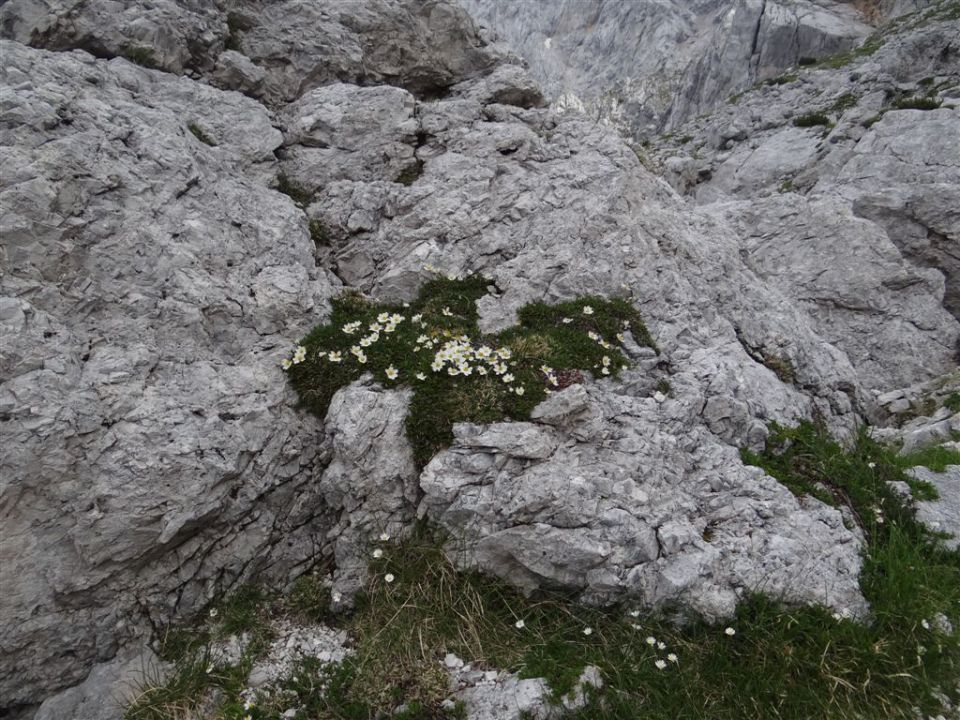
pixel 446 311
pixel 392 373
pixel 661 664
pixel 520 390
pixel 285 364
pixel 605 371
pixel 926 625
pixel 378 553
pixel 588 631
pixel 593 336
pixel 587 310
pixel 508 378
pixel 871 465
pixel 481 370
pixel 730 632
pixel 672 657
pixel 620 337
pixel 383 317
pixel 436 365
pixel 389 327
pixel 335 357
pixel 247 704
pixel 389 577
pixel 661 646
pixel 606 360
pixel 422 339
pixel 351 328
pixel 519 624
pixel 566 321
pixel 466 370
pixel 213 613
pixel 452 371
pixel 651 641
pixel 417 318
pixel 209 668
pixel 546 369
pixel 321 355
pixel 421 376
pixel 361 357
pixel 336 596
pixel 634 613
pixel 384 537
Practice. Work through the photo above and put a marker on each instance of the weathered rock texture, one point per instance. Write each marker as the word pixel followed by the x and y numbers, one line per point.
pixel 645 66
pixel 152 454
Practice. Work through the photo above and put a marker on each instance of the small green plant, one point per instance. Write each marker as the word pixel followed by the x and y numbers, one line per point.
pixel 872 120
pixel 844 102
pixel 806 61
pixel 916 103
pixel 663 386
pixel 299 194
pixel 811 120
pixel 782 368
pixel 786 185
pixel 411 173
pixel 200 135
pixel 458 374
pixel 782 79
pixel 236 26
pixel 952 402
pixel 318 232
pixel 141 56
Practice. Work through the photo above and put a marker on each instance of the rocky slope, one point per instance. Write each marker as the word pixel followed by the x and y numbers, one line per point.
pixel 153 278
pixel 650 66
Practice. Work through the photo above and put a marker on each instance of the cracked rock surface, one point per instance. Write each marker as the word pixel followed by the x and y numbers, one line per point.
pixel 152 279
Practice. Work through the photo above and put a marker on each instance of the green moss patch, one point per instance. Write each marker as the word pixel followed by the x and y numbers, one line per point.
pixel 433 345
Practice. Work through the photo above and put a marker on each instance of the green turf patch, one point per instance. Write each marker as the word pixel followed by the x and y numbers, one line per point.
pixel 433 345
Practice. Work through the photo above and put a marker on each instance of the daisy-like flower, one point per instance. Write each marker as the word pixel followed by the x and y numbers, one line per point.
pixel 871 465
pixel 423 339
pixel 519 624
pixel 519 390
pixel 508 378
pixel 588 631
pixel 389 577
pixel 504 353
pixel 351 328
pixel 605 371
pixel 336 596
pixel 499 368
pixel 362 358
pixel 566 321
pixel 420 376
pixel 389 327
pixel 383 317
pixel 651 641
pixel 661 646
pixel 926 625
pixel 672 657
pixel 396 319
pixel 481 370
pixel 587 310
pixel 593 336
pixel 334 357
pixel 286 364
pixel 214 611
pixel 446 311
pixel 299 355
pixel 374 327
pixel 417 318
pixel 384 536
pixel 634 613
pixel 606 360
pixel 321 355
pixel 247 704
pixel 661 664
pixel 392 373
pixel 546 370
pixel 730 632
pixel 378 553
pixel 453 371
pixel 436 365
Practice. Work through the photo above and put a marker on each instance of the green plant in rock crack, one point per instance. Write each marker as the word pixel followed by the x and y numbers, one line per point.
pixel 434 346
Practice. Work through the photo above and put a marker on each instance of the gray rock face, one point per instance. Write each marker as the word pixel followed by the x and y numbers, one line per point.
pixel 152 280
pixel 943 514
pixel 646 66
pixel 616 512
pixel 152 456
pixel 290 46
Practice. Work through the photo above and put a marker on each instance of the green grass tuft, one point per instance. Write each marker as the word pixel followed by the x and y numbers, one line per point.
pixel 299 194
pixel 200 135
pixel 811 120
pixel 142 56
pixel 916 103
pixel 445 311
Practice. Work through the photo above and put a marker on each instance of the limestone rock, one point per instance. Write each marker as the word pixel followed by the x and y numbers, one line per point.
pixel 943 514
pixel 151 284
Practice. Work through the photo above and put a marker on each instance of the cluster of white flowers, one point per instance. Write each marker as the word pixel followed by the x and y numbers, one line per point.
pixel 299 355
pixel 551 377
pixel 460 357
pixel 660 663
